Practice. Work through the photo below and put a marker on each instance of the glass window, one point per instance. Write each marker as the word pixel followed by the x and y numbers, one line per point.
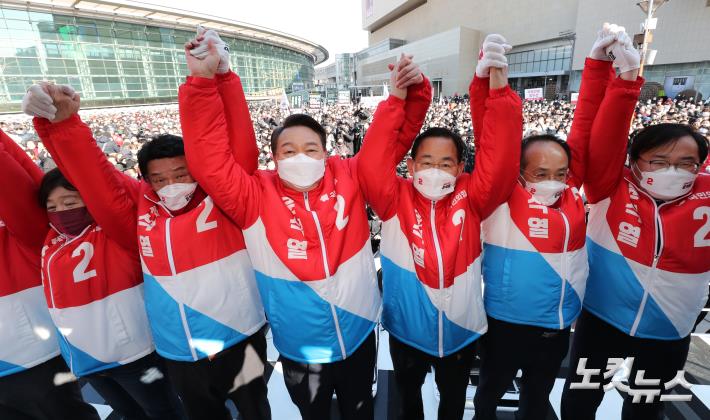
pixel 15 14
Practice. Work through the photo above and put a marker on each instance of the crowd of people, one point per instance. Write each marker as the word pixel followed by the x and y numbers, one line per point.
pixel 159 291
pixel 121 132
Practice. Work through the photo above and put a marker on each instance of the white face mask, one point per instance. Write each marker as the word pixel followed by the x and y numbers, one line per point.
pixel 301 170
pixel 434 184
pixel 666 184
pixel 546 192
pixel 176 196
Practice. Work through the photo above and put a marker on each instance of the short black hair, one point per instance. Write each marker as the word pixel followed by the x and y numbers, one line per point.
pixel 162 146
pixel 439 132
pixel 50 181
pixel 660 135
pixel 538 138
pixel 298 120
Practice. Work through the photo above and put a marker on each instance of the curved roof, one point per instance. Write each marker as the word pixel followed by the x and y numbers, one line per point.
pixel 152 14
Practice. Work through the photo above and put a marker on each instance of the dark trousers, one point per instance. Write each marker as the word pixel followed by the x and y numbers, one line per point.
pixel 451 374
pixel 505 349
pixel 33 395
pixel 236 373
pixel 598 341
pixel 311 386
pixel 139 390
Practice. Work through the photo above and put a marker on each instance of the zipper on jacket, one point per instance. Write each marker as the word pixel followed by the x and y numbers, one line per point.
pixel 657 250
pixel 440 263
pixel 565 268
pixel 173 273
pixel 51 291
pixel 327 275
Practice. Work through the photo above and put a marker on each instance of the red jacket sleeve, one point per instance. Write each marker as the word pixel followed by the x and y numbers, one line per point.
pixel 498 154
pixel 109 195
pixel 376 161
pixel 609 138
pixel 389 138
pixel 596 76
pixel 209 155
pixel 478 93
pixel 21 158
pixel 19 209
pixel 239 125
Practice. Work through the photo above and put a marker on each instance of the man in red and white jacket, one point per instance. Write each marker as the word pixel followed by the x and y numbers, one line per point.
pixel 431 246
pixel 649 252
pixel 29 351
pixel 201 298
pixel 307 232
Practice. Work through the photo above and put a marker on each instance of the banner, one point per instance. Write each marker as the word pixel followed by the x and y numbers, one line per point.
pixel 533 94
pixel 676 84
pixel 314 102
pixel 574 97
pixel 343 97
pixel 371 101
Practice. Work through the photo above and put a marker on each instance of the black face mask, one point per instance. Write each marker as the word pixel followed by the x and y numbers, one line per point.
pixel 71 222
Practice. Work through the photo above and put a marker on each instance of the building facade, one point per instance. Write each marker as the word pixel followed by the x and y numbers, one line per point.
pixel 124 53
pixel 550 40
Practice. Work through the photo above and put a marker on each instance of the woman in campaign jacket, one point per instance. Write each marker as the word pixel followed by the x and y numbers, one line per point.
pixel 29 351
pixel 431 246
pixel 648 241
pixel 307 233
pixel 202 304
pixel 534 260
pixel 93 284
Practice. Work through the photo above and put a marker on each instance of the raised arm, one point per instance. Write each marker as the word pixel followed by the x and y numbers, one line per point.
pixel 109 195
pixel 498 157
pixel 610 131
pixel 236 111
pixel 207 146
pixel 376 161
pixel 478 93
pixel 21 158
pixel 239 125
pixel 19 210
pixel 596 76
pixel 395 126
pixel 499 128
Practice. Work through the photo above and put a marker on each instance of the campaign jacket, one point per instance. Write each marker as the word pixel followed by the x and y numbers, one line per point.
pixel 649 262
pixel 200 295
pixel 27 336
pixel 535 264
pixel 92 282
pixel 311 251
pixel 430 250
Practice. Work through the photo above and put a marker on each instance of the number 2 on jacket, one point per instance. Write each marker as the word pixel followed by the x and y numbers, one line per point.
pixel 80 273
pixel 701 236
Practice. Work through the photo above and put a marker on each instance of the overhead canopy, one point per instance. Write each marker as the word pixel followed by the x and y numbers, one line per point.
pixel 162 16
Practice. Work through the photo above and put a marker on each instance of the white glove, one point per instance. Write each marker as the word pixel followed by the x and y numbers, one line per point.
pixel 493 55
pixel 38 103
pixel 605 37
pixel 201 50
pixel 625 56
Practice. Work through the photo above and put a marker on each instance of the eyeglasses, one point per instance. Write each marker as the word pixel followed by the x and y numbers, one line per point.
pixel 444 166
pixel 539 177
pixel 658 165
